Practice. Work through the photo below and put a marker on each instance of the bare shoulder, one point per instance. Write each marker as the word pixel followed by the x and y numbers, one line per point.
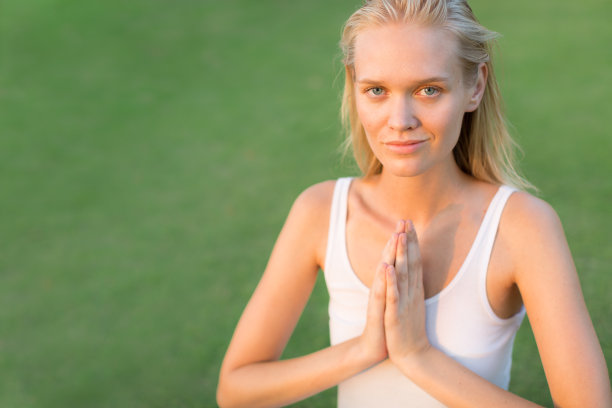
pixel 528 216
pixel 531 231
pixel 309 217
pixel 316 199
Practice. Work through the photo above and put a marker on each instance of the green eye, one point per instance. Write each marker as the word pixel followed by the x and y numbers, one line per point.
pixel 376 91
pixel 429 91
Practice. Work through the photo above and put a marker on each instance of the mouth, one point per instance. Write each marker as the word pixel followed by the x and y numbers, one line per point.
pixel 404 146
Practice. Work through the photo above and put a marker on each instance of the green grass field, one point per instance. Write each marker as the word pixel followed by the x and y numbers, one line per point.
pixel 150 151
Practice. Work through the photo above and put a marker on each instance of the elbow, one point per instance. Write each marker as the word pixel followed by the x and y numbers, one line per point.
pixel 221 398
pixel 224 396
pixel 594 398
pixel 228 395
pixel 237 390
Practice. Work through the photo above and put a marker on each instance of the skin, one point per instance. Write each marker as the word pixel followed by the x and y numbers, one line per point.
pixel 409 87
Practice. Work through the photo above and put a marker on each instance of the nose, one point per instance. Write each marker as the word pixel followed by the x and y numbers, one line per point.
pixel 402 116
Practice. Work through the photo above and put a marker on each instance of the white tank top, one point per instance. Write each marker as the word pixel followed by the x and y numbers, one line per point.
pixel 459 320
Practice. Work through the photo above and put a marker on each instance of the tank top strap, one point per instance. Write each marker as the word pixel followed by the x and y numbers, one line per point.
pixel 337 221
pixel 490 223
pixel 490 226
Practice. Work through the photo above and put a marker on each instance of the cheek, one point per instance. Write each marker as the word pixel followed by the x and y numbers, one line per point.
pixel 371 118
pixel 446 122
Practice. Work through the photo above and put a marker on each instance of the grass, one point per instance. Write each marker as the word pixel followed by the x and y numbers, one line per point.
pixel 150 151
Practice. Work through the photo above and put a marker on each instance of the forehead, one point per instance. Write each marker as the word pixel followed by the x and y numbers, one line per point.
pixel 406 51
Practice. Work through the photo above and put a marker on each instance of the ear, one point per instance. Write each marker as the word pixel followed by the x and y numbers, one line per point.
pixel 477 90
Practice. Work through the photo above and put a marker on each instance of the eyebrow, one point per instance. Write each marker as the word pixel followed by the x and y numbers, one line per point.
pixel 417 82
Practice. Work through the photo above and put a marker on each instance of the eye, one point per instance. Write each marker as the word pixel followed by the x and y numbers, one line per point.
pixel 429 91
pixel 376 91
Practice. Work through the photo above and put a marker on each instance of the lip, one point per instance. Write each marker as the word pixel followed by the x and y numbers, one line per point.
pixel 404 146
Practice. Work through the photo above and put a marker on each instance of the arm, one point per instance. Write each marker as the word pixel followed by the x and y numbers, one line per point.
pixel 252 374
pixel 546 278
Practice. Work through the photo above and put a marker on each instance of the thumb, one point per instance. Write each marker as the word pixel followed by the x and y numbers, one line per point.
pixel 378 293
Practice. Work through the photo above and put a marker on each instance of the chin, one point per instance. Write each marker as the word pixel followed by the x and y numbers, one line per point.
pixel 405 169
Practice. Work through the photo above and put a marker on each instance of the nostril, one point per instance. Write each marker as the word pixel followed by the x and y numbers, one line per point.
pixel 406 122
pixel 402 116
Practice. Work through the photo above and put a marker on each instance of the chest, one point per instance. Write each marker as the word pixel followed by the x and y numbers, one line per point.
pixel 444 245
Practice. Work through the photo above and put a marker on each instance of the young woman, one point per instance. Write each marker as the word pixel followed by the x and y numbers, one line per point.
pixel 427 321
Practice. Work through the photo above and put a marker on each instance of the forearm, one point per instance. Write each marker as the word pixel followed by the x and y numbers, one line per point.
pixel 454 385
pixel 281 382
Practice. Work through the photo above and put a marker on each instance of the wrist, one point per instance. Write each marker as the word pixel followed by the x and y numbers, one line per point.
pixel 414 361
pixel 367 354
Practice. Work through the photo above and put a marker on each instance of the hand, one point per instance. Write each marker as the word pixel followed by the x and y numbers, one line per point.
pixel 405 300
pixel 372 339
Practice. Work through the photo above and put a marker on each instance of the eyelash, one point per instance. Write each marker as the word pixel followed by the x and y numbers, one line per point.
pixel 434 88
pixel 369 91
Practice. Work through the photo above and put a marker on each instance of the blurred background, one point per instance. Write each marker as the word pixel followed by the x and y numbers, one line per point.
pixel 150 151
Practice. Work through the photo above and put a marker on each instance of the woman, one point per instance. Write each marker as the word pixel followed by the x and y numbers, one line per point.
pixel 427 321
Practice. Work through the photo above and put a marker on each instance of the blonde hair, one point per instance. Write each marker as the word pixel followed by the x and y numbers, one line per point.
pixel 485 148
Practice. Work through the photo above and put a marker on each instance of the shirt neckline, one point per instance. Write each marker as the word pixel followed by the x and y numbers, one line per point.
pixel 460 271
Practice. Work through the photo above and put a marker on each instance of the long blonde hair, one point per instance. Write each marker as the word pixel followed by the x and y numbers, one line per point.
pixel 485 148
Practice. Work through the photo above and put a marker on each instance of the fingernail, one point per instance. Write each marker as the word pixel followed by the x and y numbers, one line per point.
pixel 409 226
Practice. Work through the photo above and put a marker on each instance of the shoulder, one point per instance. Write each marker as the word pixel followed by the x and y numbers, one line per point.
pixel 531 231
pixel 315 199
pixel 308 220
pixel 528 216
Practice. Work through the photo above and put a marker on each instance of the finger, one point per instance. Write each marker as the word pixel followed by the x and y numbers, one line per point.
pixel 376 303
pixel 401 265
pixel 392 295
pixel 415 266
pixel 400 226
pixel 388 255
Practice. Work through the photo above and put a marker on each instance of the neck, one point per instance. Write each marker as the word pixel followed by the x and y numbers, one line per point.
pixel 421 197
